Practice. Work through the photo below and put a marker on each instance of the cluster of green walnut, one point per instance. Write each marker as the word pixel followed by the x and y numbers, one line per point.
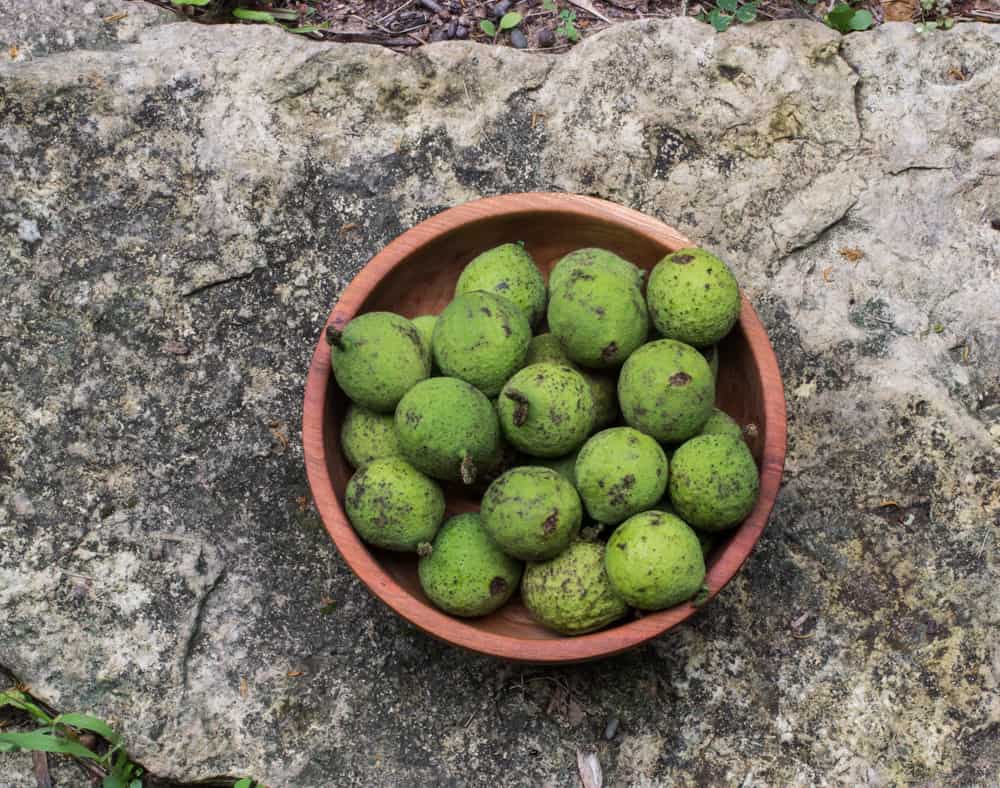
pixel 567 433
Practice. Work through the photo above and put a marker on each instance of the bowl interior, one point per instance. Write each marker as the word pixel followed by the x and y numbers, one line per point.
pixel 424 282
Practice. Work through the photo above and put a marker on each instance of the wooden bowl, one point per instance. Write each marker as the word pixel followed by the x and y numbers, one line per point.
pixel 416 275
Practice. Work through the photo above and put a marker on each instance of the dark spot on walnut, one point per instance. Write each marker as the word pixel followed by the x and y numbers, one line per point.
pixel 498 586
pixel 551 522
pixel 486 311
pixel 680 379
pixel 683 259
pixel 609 351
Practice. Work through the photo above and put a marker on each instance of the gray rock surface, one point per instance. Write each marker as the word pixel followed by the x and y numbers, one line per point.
pixel 179 214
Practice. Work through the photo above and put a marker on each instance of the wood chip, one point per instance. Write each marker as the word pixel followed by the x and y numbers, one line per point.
pixel 851 254
pixel 826 273
pixel 293 674
pixel 13 51
pixel 244 688
pixel 589 767
pixel 116 17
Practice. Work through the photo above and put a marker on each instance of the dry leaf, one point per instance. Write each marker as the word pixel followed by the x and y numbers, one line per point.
pixel 590 770
pixel 826 273
pixel 292 674
pixel 116 17
pixel 575 713
pixel 13 51
pixel 587 6
pixel 899 10
pixel 851 253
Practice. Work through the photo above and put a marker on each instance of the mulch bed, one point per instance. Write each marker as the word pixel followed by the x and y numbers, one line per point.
pixel 403 24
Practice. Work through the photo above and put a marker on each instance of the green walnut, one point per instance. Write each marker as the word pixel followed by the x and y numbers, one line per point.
pixel 619 472
pixel 714 482
pixel 377 358
pixel 666 390
pixel 448 429
pixel 546 347
pixel 546 410
pixel 510 272
pixel 654 561
pixel 693 297
pixel 464 573
pixel 571 593
pixel 425 325
pixel 482 339
pixel 598 317
pixel 393 505
pixel 721 423
pixel 592 258
pixel 366 436
pixel 562 465
pixel 531 513
pixel 603 388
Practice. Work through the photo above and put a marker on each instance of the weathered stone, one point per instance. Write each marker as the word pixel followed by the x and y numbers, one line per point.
pixel 179 214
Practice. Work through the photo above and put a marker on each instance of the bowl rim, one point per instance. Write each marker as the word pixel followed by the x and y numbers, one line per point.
pixel 606 642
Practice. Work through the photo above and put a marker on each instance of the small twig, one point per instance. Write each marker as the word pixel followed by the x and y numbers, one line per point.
pixel 431 6
pixel 394 11
pixel 40 760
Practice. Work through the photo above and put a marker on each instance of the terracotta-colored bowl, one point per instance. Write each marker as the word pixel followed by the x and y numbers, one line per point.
pixel 415 275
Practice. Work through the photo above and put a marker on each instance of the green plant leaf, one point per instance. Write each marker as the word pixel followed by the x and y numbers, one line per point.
pixel 728 5
pixel 719 21
pixel 246 782
pixel 308 28
pixel 284 14
pixel 191 2
pixel 839 17
pixel 44 742
pixel 20 700
pixel 511 20
pixel 948 23
pixel 488 27
pixel 549 5
pixel 746 13
pixel 88 723
pixel 861 20
pixel 112 781
pixel 253 16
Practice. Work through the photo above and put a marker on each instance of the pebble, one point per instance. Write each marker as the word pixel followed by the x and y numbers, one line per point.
pixel 611 728
pixel 461 32
pixel 500 9
pixel 452 28
pixel 439 35
pixel 546 37
pixel 517 39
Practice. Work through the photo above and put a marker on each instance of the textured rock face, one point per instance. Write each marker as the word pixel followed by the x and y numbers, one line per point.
pixel 180 212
